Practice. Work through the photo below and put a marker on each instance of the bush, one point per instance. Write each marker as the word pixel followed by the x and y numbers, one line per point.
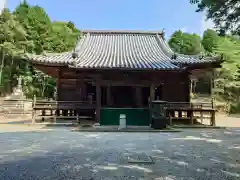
pixel 235 108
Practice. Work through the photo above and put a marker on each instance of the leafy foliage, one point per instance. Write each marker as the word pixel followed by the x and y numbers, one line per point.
pixel 64 38
pixel 227 81
pixel 29 30
pixel 185 43
pixel 224 13
pixel 210 40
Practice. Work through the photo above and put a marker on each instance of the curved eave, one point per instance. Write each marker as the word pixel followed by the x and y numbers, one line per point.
pixel 125 50
pixel 174 68
pixel 183 60
pixel 207 60
pixel 51 58
pixel 204 65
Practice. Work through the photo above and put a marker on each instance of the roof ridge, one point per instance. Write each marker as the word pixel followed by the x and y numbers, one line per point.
pixel 122 32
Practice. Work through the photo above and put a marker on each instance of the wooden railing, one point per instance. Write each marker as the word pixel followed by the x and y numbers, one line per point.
pixel 191 111
pixel 16 106
pixel 53 105
pixel 191 105
pixel 59 109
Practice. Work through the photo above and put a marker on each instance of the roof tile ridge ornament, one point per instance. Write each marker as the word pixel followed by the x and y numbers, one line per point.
pixel 73 63
pixel 162 33
pixel 75 53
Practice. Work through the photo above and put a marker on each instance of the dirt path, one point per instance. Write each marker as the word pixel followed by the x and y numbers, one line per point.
pixel 228 120
pixel 22 128
pixel 15 118
pixel 16 123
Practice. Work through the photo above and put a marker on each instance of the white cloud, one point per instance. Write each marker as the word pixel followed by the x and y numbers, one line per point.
pixel 184 29
pixel 206 24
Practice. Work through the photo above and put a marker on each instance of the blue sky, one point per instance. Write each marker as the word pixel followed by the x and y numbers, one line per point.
pixel 124 14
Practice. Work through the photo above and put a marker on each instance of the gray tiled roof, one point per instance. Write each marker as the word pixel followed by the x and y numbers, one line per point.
pixel 120 49
pixel 58 58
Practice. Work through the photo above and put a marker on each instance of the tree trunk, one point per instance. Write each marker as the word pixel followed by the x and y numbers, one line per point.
pixel 10 75
pixel 44 84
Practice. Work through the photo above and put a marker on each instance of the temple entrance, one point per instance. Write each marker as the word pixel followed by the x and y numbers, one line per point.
pixel 123 96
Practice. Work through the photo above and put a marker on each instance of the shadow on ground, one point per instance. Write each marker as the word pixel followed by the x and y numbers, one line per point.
pixel 60 154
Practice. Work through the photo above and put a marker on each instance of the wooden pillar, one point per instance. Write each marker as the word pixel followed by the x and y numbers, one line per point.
pixel 138 96
pixel 109 96
pixel 212 82
pixel 58 85
pixel 43 114
pixel 213 113
pixel 191 117
pixel 83 91
pixel 152 92
pixel 180 114
pixel 58 92
pixel 33 110
pixel 98 101
pixel 213 121
pixel 189 87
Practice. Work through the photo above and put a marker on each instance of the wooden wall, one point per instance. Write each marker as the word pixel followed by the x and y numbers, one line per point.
pixel 175 86
pixel 177 89
pixel 72 83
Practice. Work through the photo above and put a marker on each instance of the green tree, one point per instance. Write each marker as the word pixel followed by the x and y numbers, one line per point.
pixel 46 36
pixel 227 78
pixel 210 40
pixel 231 49
pixel 224 13
pixel 38 27
pixel 12 45
pixel 64 36
pixel 21 11
pixel 185 43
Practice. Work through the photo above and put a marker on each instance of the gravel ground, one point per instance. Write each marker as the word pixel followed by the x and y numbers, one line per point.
pixel 62 154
